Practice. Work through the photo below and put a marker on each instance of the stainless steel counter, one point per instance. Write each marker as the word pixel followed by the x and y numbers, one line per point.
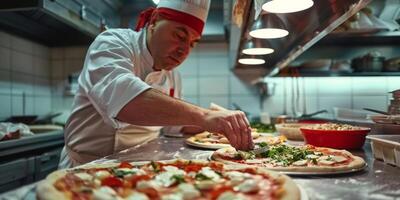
pixel 380 181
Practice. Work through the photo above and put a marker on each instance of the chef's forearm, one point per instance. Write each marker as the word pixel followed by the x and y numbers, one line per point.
pixel 153 108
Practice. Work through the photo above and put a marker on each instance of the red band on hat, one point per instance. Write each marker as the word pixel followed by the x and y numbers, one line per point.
pixel 173 15
pixel 144 17
pixel 183 18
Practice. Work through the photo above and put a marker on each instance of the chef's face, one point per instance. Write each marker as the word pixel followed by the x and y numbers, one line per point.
pixel 170 43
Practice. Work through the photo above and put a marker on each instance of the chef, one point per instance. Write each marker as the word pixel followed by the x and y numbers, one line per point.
pixel 129 88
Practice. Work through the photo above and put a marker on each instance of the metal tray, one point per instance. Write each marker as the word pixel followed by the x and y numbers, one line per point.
pixel 386 148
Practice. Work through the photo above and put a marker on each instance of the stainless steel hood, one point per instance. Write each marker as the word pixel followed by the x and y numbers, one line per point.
pixel 305 29
pixel 58 22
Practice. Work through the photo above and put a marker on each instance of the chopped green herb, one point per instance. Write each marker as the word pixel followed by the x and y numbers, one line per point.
pixel 156 167
pixel 263 128
pixel 201 177
pixel 178 178
pixel 284 154
pixel 121 173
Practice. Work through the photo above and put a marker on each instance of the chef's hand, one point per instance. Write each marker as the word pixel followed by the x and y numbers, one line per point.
pixel 233 124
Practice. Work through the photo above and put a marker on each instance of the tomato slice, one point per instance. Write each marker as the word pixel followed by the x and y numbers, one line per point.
pixel 138 178
pixel 219 190
pixel 150 192
pixel 125 165
pixel 193 168
pixel 112 182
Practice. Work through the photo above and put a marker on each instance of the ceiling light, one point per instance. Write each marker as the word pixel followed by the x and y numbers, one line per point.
pixel 257 51
pixel 287 6
pixel 256 47
pixel 251 61
pixel 269 33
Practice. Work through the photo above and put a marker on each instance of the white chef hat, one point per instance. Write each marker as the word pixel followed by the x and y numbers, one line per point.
pixel 192 13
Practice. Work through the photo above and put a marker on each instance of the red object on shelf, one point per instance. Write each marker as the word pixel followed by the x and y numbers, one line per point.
pixel 338 139
pixel 313 121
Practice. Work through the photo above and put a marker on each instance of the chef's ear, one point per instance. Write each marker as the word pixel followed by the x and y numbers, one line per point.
pixel 153 22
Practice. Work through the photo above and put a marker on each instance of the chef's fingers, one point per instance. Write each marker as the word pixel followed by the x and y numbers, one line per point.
pixel 244 135
pixel 230 134
pixel 245 118
pixel 238 129
pixel 250 139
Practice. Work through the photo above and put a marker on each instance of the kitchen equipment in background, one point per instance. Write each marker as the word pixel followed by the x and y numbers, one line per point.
pixel 290 130
pixel 394 107
pixel 371 62
pixel 386 148
pixel 33 119
pixel 316 65
pixel 386 119
pixel 265 89
pixel 341 66
pixel 392 65
pixel 376 111
pixel 347 114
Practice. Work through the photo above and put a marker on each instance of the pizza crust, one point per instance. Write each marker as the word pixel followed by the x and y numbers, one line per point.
pixel 290 189
pixel 223 142
pixel 356 163
pixel 45 189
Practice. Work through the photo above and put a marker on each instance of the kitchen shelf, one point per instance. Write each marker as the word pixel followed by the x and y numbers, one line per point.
pixel 362 39
pixel 31 143
pixel 333 74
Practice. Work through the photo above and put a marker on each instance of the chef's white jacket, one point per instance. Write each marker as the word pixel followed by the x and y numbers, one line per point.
pixel 118 67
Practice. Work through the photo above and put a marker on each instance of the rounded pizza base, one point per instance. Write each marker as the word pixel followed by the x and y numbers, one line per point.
pixel 221 143
pixel 192 141
pixel 208 145
pixel 357 163
pixel 290 190
pixel 46 191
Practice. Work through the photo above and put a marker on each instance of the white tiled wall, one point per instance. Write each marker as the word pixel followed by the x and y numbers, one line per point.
pixel 24 72
pixel 65 61
pixel 41 74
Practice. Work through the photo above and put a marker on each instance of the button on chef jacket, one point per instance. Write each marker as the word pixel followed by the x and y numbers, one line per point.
pixel 118 67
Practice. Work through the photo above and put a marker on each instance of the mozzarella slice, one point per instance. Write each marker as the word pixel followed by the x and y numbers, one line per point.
pixel 147 184
pixel 312 156
pixel 102 174
pixel 326 162
pixel 165 178
pixel 188 191
pixel 84 176
pixel 249 185
pixel 300 163
pixel 205 185
pixel 137 196
pixel 104 193
pixel 339 158
pixel 175 196
pixel 229 196
pixel 207 171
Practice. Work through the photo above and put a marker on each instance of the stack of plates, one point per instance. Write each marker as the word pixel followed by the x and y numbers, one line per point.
pixel 394 107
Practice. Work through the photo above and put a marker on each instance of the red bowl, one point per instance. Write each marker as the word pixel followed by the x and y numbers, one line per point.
pixel 338 139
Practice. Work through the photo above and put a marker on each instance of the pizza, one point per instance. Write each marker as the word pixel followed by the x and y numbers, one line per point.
pixel 287 158
pixel 216 141
pixel 175 179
